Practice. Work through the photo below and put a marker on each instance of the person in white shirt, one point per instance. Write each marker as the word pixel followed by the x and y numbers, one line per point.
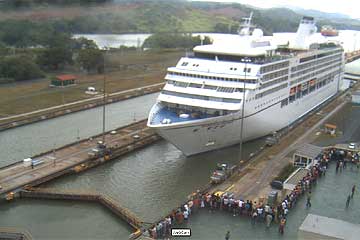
pixel 267 209
pixel 286 211
pixel 226 202
pixel 186 215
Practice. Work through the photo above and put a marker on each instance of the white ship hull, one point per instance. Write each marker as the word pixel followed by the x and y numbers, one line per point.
pixel 204 135
pixel 201 105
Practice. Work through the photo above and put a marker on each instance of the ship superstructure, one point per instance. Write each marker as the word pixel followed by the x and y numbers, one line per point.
pixel 329 31
pixel 200 107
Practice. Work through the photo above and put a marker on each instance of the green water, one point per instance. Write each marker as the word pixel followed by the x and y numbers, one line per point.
pixel 62 220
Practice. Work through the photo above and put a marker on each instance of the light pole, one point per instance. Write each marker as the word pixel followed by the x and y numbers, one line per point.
pixel 54 155
pixel 104 99
pixel 246 61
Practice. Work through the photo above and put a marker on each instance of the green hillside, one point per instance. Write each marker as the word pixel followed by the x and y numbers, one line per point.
pixel 141 16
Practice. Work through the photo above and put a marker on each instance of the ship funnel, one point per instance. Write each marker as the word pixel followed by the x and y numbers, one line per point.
pixel 305 30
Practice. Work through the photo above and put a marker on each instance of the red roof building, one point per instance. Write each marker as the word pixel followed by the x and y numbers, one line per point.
pixel 63 80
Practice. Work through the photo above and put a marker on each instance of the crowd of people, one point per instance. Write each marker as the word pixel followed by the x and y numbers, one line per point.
pixel 303 187
pixel 257 211
pixel 342 158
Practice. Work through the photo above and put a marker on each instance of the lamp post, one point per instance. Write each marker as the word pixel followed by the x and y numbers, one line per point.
pixel 246 61
pixel 104 99
pixel 54 155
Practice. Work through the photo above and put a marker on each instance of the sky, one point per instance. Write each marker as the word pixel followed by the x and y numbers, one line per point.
pixel 348 7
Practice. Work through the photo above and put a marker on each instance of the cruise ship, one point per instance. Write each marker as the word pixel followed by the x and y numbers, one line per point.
pixel 247 81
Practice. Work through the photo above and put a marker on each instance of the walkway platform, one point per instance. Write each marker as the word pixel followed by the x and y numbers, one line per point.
pixel 74 157
pixel 319 227
pixel 291 182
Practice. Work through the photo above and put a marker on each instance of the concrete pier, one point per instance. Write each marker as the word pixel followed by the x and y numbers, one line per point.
pixel 74 157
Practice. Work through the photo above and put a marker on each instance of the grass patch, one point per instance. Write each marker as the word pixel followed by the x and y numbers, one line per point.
pixel 285 172
pixel 127 70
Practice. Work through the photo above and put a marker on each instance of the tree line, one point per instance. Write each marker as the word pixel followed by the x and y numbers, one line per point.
pixel 174 40
pixel 28 50
pixel 27 3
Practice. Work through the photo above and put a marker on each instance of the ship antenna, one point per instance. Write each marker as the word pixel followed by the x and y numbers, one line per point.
pixel 244 29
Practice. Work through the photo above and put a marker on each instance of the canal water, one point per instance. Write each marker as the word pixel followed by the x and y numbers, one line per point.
pixel 63 220
pixel 29 140
pixel 349 39
pixel 150 181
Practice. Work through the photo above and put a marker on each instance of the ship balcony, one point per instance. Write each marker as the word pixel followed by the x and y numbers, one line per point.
pixel 161 115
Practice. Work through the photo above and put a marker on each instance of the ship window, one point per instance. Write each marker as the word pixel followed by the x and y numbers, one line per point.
pixel 210 87
pixel 184 64
pixel 195 85
pixel 225 89
pixel 181 84
pixel 170 82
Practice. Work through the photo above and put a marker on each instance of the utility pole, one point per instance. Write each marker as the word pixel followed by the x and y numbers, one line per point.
pixel 245 60
pixel 104 99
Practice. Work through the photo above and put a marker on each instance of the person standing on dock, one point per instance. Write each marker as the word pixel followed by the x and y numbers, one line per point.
pixel 282 225
pixel 353 191
pixel 254 217
pixel 348 201
pixel 308 200
pixel 268 220
pixel 341 164
pixel 227 235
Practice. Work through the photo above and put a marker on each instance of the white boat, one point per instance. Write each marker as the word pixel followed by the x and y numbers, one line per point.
pixel 248 78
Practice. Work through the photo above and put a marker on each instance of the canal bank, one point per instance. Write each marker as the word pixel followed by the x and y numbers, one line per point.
pixel 60 110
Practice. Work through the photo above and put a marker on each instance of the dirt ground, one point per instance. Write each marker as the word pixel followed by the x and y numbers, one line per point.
pixel 125 70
